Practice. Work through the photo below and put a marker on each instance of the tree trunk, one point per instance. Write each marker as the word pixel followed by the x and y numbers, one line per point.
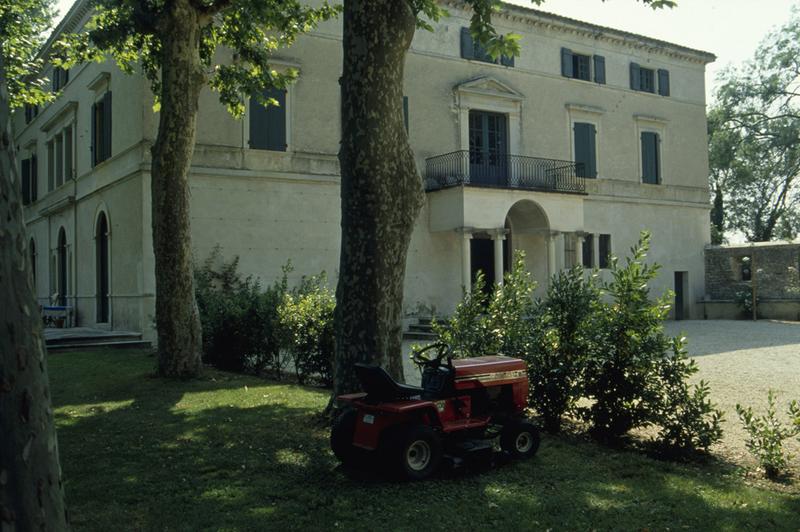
pixel 182 77
pixel 31 492
pixel 381 191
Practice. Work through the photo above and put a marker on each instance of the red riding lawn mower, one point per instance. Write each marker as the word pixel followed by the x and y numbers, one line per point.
pixel 457 413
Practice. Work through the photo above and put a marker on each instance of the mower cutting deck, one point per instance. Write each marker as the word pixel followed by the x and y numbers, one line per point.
pixel 458 411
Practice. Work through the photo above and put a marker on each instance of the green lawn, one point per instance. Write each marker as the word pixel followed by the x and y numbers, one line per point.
pixel 238 453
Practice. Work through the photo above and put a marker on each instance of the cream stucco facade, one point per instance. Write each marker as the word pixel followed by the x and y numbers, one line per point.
pixel 268 207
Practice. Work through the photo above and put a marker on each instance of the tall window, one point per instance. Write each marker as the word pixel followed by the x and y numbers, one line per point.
pixel 101 129
pixel 605 251
pixel 585 149
pixel 61 279
pixel 60 158
pixel 60 78
pixel 32 250
pixel 651 158
pixel 102 270
pixel 268 123
pixel 29 180
pixel 588 250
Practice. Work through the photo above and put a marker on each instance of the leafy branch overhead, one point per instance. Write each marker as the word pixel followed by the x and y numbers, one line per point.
pixel 238 40
pixel 23 24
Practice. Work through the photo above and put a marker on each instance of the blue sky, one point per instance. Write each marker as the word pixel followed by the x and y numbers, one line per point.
pixel 730 29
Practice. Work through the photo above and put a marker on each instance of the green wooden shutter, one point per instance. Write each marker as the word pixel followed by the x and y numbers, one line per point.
pixel 25 182
pixel 585 154
pixel 93 145
pixel 566 63
pixel 276 121
pixel 258 125
pixel 106 126
pixel 405 112
pixel 663 82
pixel 599 69
pixel 635 80
pixel 34 179
pixel 467 47
pixel 650 165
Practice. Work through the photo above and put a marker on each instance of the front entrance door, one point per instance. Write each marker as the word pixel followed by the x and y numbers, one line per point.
pixel 482 259
pixel 680 295
pixel 488 149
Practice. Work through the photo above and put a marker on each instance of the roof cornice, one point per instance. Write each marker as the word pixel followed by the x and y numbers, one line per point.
pixel 69 23
pixel 534 17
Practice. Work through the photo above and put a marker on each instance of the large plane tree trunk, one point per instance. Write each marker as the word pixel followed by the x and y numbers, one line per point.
pixel 182 77
pixel 381 191
pixel 31 492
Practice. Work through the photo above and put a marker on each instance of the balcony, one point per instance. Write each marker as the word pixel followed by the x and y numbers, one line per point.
pixel 503 171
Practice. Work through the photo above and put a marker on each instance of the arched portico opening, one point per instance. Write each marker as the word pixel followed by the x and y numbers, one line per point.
pixel 529 231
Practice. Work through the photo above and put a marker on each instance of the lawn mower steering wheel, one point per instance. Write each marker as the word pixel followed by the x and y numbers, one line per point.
pixel 443 351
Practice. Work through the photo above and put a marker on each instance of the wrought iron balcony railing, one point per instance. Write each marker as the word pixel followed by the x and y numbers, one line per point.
pixel 503 171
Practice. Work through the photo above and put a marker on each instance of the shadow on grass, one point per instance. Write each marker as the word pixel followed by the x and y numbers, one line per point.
pixel 148 454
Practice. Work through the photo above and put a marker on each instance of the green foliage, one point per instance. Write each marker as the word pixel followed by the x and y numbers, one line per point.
pixel 498 323
pixel 688 420
pixel 744 300
pixel 241 325
pixel 754 127
pixel 23 24
pixel 239 38
pixel 561 340
pixel 306 317
pixel 767 434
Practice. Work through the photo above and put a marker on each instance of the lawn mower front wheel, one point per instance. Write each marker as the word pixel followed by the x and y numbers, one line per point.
pixel 520 438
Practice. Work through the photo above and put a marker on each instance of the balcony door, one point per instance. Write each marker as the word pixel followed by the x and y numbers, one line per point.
pixel 488 148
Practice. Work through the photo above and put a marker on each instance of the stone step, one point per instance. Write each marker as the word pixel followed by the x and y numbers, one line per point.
pixel 106 344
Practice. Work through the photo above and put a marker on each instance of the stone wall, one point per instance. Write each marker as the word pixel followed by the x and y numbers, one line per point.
pixel 775 267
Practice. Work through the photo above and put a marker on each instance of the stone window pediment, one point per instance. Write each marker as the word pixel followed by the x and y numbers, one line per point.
pixel 488 86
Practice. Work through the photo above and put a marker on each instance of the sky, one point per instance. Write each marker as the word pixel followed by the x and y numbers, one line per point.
pixel 730 29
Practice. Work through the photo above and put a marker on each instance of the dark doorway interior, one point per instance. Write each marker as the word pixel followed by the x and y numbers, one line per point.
pixel 482 259
pixel 101 241
pixel 681 279
pixel 62 267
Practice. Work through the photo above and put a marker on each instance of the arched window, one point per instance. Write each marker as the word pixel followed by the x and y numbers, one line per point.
pixel 61 253
pixel 32 248
pixel 102 273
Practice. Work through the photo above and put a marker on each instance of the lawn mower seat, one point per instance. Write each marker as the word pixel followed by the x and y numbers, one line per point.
pixel 380 386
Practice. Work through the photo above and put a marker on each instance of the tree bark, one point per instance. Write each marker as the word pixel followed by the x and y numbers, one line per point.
pixel 182 78
pixel 381 190
pixel 31 491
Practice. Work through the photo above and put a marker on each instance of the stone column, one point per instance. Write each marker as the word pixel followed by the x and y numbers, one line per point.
pixel 466 263
pixel 596 250
pixel 497 239
pixel 551 253
pixel 578 249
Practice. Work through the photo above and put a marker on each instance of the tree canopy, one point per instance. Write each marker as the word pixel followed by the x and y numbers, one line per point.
pixel 754 140
pixel 23 24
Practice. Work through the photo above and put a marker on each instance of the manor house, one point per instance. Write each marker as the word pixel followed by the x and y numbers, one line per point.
pixel 567 152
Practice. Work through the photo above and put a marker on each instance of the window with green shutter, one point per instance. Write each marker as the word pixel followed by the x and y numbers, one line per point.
pixel 585 149
pixel 25 181
pixel 101 129
pixel 599 69
pixel 642 79
pixel 268 123
pixel 588 250
pixel 650 158
pixel 575 66
pixel 470 49
pixel 663 82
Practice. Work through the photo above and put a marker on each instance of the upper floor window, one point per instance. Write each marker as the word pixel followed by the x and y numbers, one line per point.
pixel 60 157
pixel 268 123
pixel 101 129
pixel 644 79
pixel 579 66
pixel 405 112
pixel 29 180
pixel 585 149
pixel 470 49
pixel 31 112
pixel 651 157
pixel 60 78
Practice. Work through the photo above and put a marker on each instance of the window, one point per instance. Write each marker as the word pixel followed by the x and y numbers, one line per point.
pixel 31 112
pixel 605 250
pixel 745 270
pixel 102 269
pixel 101 129
pixel 60 78
pixel 578 66
pixel 29 180
pixel 588 250
pixel 569 251
pixel 61 268
pixel 59 158
pixel 475 51
pixel 644 79
pixel 651 171
pixel 32 250
pixel 268 123
pixel 585 149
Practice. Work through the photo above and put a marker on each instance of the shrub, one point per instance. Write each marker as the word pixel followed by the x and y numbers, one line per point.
pixel 241 331
pixel 561 335
pixel 498 323
pixel 767 434
pixel 306 317
pixel 688 420
pixel 744 300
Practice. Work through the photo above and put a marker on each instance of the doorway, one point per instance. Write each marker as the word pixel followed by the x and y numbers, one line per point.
pixel 101 243
pixel 61 253
pixel 488 148
pixel 680 311
pixel 482 259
